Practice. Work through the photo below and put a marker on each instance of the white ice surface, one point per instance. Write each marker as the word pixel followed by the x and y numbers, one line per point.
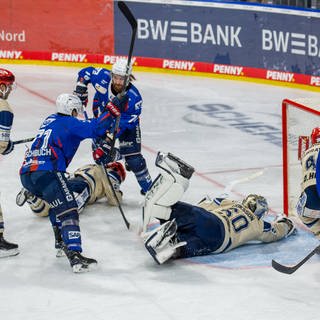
pixel 128 284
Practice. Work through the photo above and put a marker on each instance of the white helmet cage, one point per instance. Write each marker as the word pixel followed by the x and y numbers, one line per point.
pixel 66 103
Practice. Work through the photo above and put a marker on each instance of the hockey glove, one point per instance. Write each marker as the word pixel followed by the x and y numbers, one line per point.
pixel 103 155
pixel 121 102
pixel 81 91
pixel 113 109
pixel 289 222
pixel 9 148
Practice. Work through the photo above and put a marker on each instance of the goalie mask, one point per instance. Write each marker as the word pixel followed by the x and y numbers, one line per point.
pixel 315 135
pixel 67 103
pixel 256 204
pixel 7 83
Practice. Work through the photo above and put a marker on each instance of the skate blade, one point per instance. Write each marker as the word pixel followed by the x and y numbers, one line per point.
pixel 80 268
pixel 9 253
pixel 153 253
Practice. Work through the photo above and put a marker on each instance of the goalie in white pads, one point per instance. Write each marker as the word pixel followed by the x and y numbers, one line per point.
pixel 308 206
pixel 211 226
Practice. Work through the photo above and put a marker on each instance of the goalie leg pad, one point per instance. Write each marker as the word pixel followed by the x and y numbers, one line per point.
pixel 164 192
pixel 167 189
pixel 172 164
pixel 162 244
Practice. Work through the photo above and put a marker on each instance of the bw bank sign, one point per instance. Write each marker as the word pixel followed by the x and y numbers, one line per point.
pixel 222 35
pixel 189 32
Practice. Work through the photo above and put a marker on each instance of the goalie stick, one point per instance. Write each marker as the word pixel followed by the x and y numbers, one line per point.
pixel 291 269
pixel 23 140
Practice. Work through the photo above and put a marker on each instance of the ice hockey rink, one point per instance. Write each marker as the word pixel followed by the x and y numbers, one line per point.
pixel 216 125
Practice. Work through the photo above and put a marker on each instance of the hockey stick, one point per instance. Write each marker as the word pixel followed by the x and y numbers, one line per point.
pixel 291 269
pixel 133 23
pixel 22 141
pixel 109 181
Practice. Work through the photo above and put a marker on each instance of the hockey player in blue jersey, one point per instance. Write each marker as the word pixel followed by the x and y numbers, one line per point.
pixel 7 79
pixel 44 167
pixel 108 84
pixel 211 226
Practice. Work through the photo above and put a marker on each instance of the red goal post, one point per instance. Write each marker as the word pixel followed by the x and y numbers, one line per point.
pixel 299 117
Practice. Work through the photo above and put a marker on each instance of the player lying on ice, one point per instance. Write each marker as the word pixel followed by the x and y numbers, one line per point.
pixel 211 226
pixel 89 184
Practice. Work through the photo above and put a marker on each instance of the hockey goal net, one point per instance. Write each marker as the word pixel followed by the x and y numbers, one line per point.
pixel 299 117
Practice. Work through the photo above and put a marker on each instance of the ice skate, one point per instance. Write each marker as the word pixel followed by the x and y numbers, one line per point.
pixel 22 197
pixel 58 243
pixel 7 249
pixel 162 243
pixel 79 263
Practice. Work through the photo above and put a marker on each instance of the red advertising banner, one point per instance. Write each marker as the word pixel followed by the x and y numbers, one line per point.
pixel 57 26
pixel 166 64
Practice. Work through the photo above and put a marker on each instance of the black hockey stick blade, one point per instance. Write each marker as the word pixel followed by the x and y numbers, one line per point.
pixel 23 140
pixel 133 23
pixel 291 269
pixel 127 13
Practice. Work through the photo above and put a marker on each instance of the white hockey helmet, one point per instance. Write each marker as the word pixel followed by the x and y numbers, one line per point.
pixel 120 68
pixel 66 103
pixel 256 204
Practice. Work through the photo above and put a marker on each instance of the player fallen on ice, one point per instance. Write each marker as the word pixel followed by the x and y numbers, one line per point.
pixel 45 164
pixel 308 206
pixel 7 82
pixel 88 183
pixel 211 226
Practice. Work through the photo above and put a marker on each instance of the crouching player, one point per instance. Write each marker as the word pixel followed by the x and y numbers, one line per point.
pixel 211 226
pixel 89 184
pixel 308 207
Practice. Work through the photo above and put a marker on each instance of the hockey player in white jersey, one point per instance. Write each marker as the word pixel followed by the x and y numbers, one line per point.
pixel 308 206
pixel 89 183
pixel 211 226
pixel 6 146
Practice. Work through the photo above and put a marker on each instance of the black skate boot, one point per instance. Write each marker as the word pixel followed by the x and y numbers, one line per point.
pixel 79 263
pixel 7 249
pixel 58 243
